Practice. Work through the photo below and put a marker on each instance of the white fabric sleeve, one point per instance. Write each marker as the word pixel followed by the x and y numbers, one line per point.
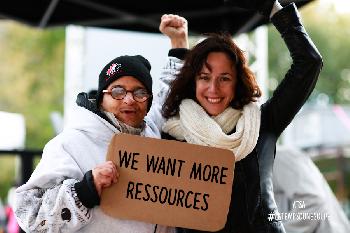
pixel 51 210
pixel 276 7
pixel 168 74
pixel 48 201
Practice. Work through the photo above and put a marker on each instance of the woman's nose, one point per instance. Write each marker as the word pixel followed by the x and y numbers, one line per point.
pixel 129 98
pixel 213 86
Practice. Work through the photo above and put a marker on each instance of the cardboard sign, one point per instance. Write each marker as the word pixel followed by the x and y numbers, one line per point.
pixel 169 183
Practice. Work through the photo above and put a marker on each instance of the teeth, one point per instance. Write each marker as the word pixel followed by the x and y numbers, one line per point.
pixel 214 100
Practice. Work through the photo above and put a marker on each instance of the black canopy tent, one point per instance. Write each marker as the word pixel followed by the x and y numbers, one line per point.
pixel 202 15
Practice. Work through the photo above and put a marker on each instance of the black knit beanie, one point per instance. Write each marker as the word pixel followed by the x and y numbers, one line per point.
pixel 136 66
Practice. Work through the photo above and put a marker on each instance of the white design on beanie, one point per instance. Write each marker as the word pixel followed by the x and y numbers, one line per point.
pixel 113 69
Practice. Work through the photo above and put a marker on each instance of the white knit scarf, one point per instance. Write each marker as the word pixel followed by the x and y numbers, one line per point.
pixel 195 126
pixel 124 128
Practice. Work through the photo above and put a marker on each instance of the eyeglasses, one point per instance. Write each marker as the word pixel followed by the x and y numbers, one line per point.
pixel 119 93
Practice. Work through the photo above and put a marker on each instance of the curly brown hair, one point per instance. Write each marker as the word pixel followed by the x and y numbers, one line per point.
pixel 183 87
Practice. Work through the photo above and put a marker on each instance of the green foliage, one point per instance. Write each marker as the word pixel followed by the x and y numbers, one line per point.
pixel 32 75
pixel 7 174
pixel 330 32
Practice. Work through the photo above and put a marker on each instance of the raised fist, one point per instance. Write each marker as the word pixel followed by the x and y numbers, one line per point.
pixel 175 27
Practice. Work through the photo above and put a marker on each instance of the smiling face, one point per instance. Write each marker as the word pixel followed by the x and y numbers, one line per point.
pixel 215 83
pixel 126 110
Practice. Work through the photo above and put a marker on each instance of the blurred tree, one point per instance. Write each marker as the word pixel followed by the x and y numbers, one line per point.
pixel 330 32
pixel 32 76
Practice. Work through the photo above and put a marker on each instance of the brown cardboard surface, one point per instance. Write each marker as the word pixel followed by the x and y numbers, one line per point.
pixel 166 194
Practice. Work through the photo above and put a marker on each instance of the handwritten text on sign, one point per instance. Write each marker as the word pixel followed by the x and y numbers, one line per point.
pixel 169 183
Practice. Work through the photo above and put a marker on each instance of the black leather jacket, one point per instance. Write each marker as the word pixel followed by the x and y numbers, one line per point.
pixel 252 193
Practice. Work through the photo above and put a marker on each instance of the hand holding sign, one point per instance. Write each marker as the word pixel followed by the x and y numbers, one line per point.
pixel 173 183
pixel 104 175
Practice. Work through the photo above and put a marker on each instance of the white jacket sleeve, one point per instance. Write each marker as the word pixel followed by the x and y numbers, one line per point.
pixel 51 210
pixel 168 74
pixel 48 201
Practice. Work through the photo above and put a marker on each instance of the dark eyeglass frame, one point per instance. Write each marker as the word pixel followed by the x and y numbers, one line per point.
pixel 122 95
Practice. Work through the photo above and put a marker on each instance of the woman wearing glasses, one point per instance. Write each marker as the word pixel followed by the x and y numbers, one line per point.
pixel 63 193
